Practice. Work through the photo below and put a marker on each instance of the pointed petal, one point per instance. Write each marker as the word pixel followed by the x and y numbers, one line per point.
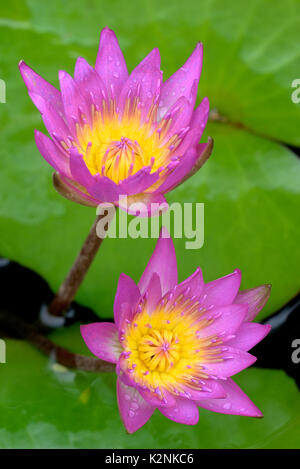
pixel 194 283
pixel 153 293
pixel 53 121
pixel 249 334
pixel 90 84
pixel 163 262
pixel 236 402
pixel 55 157
pixel 255 298
pixel 185 411
pixel 176 119
pixel 143 83
pixel 200 117
pixel 127 293
pixel 110 63
pixel 36 84
pixel 74 103
pixel 134 410
pixel 228 320
pixel 191 162
pixel 102 340
pixel 182 81
pixel 234 361
pixel 222 291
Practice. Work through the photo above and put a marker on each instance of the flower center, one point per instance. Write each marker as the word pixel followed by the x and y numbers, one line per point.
pixel 159 350
pixel 121 158
pixel 119 146
pixel 165 350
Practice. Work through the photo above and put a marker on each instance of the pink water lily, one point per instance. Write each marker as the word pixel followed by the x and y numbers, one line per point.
pixel 114 135
pixel 176 346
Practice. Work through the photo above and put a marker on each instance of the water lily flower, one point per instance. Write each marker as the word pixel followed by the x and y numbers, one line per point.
pixel 115 136
pixel 176 346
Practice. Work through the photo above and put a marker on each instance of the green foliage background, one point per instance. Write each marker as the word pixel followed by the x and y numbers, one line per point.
pixel 250 187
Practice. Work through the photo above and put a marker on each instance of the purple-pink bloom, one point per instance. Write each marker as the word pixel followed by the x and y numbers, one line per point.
pixel 177 345
pixel 114 135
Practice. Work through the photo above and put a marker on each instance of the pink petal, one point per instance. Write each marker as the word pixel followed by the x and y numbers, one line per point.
pixel 127 293
pixel 143 205
pixel 222 291
pixel 53 121
pixel 255 298
pixel 110 63
pixel 236 402
pixel 74 103
pixel 211 389
pixel 234 361
pixel 200 117
pixel 36 84
pixel 153 293
pixel 153 399
pixel 182 81
pixel 191 161
pixel 249 334
pixel 139 182
pixel 185 412
pixel 194 284
pixel 102 340
pixel 100 187
pixel 163 262
pixel 179 115
pixel 55 157
pixel 134 410
pixel 228 320
pixel 79 170
pixel 144 82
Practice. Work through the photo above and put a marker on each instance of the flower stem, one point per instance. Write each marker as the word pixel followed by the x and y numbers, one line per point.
pixel 73 280
pixel 29 332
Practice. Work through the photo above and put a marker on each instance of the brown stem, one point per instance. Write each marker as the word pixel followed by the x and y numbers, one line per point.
pixel 72 282
pixel 21 329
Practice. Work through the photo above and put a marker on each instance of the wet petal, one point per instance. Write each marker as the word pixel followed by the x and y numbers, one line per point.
pixel 110 63
pixel 185 411
pixel 102 340
pixel 163 263
pixel 249 334
pixel 236 402
pixel 134 410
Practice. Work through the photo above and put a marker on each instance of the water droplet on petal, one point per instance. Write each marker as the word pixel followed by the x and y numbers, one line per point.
pixel 227 406
pixel 131 413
